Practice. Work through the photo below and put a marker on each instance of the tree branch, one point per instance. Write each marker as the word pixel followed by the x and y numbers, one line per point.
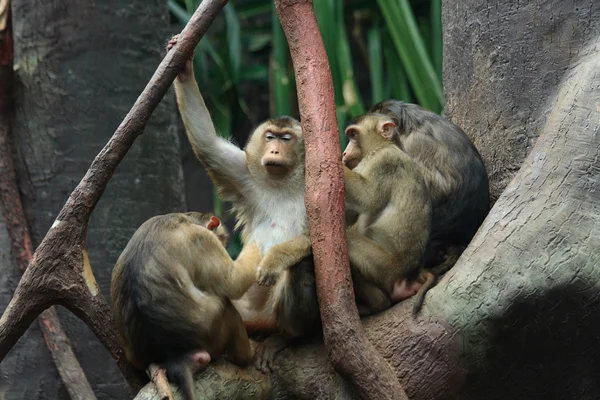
pixel 60 272
pixel 351 353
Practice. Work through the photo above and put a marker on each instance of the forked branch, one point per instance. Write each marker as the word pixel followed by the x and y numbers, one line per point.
pixel 60 272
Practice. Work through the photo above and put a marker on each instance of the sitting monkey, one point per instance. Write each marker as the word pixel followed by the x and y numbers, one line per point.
pixel 390 208
pixel 171 295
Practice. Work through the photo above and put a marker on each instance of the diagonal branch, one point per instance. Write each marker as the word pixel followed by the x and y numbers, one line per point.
pixel 60 272
pixel 351 353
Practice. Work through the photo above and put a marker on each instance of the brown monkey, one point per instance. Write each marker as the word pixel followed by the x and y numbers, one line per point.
pixel 265 183
pixel 171 289
pixel 388 198
pixel 454 173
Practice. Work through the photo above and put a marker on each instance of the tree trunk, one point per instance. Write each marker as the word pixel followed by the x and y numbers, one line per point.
pixel 79 68
pixel 504 62
pixel 517 317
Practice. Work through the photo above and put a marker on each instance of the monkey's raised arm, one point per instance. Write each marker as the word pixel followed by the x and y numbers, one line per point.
pixel 225 162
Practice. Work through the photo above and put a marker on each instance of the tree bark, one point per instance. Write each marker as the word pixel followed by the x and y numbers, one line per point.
pixel 503 65
pixel 517 317
pixel 70 97
pixel 60 271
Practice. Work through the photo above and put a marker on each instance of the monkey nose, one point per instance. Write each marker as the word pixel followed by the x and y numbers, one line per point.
pixel 274 151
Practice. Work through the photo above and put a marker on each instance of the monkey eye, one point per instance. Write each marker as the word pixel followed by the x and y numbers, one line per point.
pixel 287 137
pixel 269 136
pixel 352 133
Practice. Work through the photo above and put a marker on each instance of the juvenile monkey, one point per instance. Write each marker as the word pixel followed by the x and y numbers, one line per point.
pixel 454 173
pixel 390 202
pixel 171 290
pixel 265 183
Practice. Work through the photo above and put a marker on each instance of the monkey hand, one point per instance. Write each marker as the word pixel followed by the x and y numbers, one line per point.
pixel 266 276
pixel 187 70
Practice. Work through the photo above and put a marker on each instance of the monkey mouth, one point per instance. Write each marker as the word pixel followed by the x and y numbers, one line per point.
pixel 275 167
pixel 351 164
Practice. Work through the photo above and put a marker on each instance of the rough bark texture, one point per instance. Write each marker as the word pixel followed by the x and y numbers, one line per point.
pixel 518 316
pixel 58 343
pixel 68 91
pixel 503 63
pixel 353 355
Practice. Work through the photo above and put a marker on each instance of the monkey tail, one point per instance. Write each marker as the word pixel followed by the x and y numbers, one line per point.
pixel 187 383
pixel 420 296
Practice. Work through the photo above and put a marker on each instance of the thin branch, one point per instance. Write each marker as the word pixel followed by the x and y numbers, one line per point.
pixel 60 272
pixel 351 353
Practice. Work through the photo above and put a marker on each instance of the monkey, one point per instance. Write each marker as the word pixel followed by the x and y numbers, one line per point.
pixel 171 292
pixel 388 200
pixel 454 173
pixel 265 183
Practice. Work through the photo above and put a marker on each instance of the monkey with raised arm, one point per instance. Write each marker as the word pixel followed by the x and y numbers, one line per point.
pixel 265 183
pixel 455 177
pixel 171 294
pixel 388 240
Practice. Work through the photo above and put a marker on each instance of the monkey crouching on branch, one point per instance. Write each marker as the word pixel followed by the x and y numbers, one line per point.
pixel 454 173
pixel 265 183
pixel 171 289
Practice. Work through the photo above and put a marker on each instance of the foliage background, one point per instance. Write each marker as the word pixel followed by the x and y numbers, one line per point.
pixel 377 50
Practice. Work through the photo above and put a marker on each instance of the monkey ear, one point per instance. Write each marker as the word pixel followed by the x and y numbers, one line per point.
pixel 213 224
pixel 387 129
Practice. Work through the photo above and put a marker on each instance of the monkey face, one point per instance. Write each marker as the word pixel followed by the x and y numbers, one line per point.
pixel 276 149
pixel 365 135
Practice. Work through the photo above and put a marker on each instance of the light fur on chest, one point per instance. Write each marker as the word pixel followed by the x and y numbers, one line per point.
pixel 277 217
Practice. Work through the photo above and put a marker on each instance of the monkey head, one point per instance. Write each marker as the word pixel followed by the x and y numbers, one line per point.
pixel 210 222
pixel 365 135
pixel 276 150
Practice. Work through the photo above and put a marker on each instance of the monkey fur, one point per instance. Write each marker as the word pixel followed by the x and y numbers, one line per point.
pixel 265 183
pixel 171 294
pixel 454 173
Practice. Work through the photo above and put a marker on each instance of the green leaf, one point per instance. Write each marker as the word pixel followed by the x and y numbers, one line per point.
pixel 232 35
pixel 351 96
pixel 281 90
pixel 436 36
pixel 326 18
pixel 415 58
pixel 179 12
pixel 376 63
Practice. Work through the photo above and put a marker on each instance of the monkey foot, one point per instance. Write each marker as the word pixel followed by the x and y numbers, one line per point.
pixel 200 358
pixel 266 352
pixel 403 290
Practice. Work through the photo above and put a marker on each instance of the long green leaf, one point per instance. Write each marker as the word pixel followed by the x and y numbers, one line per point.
pixel 376 64
pixel 403 29
pixel 352 99
pixel 326 18
pixel 280 82
pixel 233 40
pixel 436 36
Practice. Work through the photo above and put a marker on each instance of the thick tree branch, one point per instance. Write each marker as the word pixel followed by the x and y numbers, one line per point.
pixel 56 339
pixel 351 353
pixel 60 272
